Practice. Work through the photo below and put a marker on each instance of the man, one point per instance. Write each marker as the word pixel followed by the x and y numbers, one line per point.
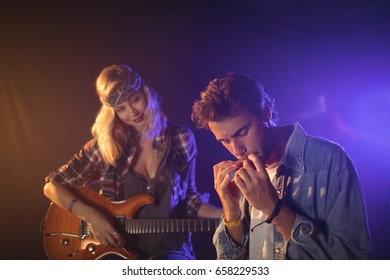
pixel 288 195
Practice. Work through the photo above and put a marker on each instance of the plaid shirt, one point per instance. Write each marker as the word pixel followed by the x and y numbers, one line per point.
pixel 87 168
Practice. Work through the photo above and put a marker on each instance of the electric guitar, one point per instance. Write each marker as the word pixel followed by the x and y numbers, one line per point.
pixel 67 237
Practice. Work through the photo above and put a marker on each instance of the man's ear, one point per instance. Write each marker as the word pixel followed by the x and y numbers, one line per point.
pixel 266 114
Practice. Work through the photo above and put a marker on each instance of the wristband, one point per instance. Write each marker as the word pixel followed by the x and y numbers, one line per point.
pixel 276 211
pixel 231 224
pixel 71 204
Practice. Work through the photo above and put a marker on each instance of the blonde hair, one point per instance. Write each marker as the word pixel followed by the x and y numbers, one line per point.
pixel 112 135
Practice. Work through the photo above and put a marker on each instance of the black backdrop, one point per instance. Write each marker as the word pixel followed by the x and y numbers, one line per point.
pixel 326 62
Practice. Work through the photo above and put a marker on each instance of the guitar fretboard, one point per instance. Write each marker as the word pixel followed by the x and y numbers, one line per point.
pixel 141 226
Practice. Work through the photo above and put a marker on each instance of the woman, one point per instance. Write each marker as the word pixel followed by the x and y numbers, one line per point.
pixel 134 151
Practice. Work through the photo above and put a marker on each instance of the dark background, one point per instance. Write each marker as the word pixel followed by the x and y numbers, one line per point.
pixel 327 63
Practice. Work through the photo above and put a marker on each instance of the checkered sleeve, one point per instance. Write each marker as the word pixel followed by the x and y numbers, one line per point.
pixel 185 154
pixel 82 167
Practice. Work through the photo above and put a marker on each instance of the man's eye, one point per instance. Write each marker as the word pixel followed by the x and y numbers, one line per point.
pixel 243 133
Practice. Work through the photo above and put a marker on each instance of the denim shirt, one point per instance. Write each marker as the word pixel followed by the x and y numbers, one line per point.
pixel 322 187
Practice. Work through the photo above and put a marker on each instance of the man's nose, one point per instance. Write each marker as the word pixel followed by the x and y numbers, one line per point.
pixel 238 149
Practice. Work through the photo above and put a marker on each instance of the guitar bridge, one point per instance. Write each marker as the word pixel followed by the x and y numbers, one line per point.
pixel 84 229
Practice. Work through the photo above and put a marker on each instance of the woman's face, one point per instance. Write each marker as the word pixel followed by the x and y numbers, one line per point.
pixel 132 112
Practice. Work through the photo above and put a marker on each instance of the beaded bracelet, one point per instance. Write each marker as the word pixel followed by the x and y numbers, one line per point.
pixel 71 204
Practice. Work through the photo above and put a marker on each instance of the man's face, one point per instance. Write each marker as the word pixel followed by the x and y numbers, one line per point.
pixel 242 135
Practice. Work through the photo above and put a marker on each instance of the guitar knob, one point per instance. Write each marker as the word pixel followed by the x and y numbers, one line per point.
pixel 91 249
pixel 65 242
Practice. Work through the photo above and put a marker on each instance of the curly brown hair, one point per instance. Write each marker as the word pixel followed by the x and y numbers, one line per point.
pixel 226 97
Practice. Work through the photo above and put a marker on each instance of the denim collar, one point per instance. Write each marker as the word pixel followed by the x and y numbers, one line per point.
pixel 294 152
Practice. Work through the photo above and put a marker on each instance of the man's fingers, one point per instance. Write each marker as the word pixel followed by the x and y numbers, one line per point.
pixel 222 169
pixel 257 161
pixel 258 164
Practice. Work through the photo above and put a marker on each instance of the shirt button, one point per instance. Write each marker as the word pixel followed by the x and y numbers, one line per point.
pixel 277 250
pixel 279 191
pixel 306 229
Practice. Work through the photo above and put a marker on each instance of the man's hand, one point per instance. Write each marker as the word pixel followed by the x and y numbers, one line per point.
pixel 254 183
pixel 227 191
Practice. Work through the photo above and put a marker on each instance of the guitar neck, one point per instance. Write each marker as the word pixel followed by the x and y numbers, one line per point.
pixel 141 226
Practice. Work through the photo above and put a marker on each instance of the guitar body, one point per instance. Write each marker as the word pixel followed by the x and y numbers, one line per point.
pixel 67 237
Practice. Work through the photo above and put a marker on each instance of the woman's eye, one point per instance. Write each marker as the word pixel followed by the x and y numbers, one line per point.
pixel 134 100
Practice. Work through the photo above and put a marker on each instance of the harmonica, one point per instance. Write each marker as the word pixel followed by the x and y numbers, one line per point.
pixel 232 175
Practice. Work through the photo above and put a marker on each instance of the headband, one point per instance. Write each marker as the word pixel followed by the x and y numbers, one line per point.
pixel 123 94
